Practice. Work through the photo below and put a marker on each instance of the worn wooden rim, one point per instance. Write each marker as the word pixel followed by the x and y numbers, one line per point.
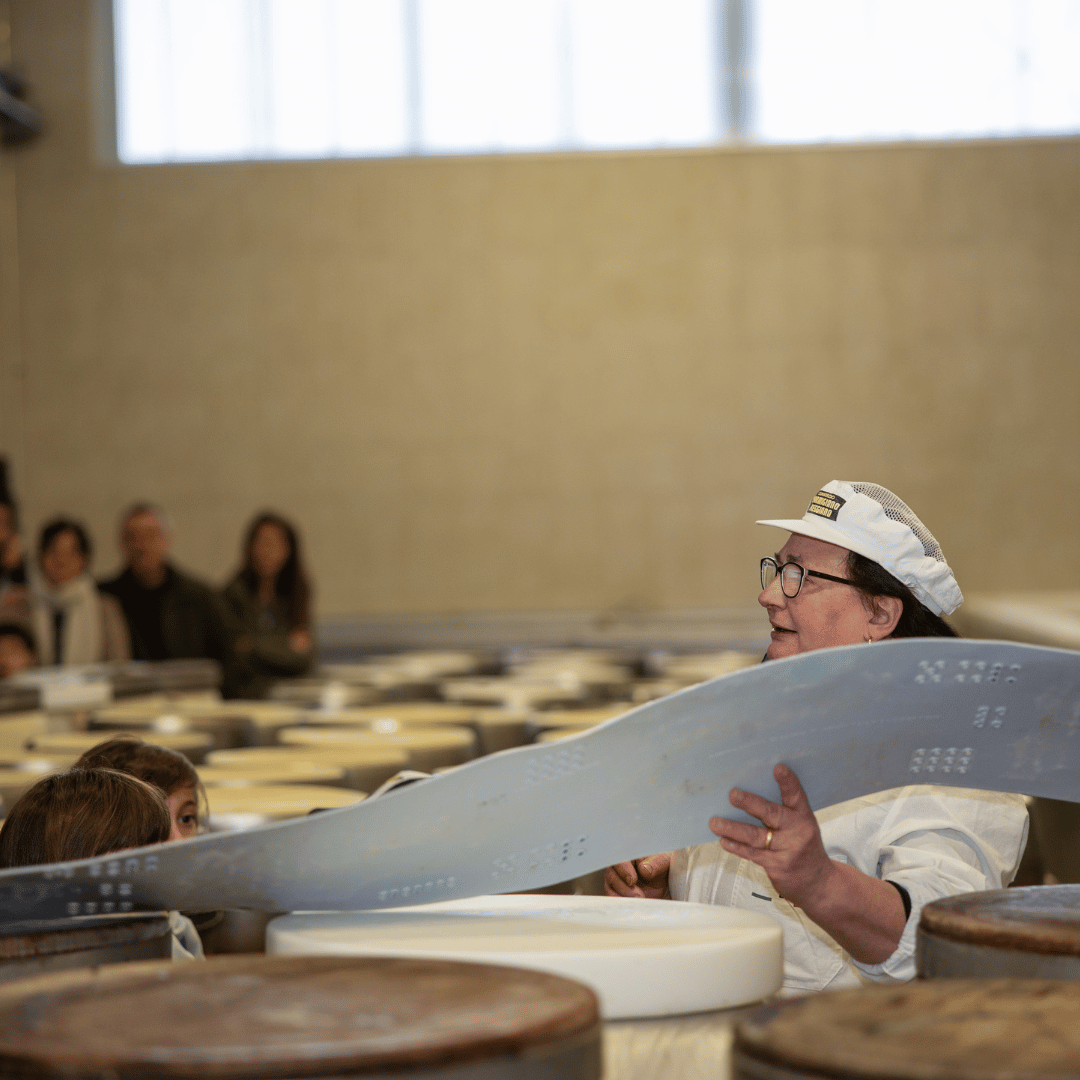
pixel 26 940
pixel 274 1017
pixel 944 1029
pixel 1037 918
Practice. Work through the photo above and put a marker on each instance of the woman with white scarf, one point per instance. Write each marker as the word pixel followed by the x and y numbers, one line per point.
pixel 73 622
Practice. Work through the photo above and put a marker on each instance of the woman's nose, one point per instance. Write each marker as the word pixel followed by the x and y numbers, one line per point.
pixel 772 595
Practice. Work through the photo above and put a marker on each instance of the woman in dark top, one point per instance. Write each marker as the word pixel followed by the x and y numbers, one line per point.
pixel 270 603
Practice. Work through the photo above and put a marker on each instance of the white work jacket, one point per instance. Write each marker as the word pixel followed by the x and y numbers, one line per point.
pixel 934 841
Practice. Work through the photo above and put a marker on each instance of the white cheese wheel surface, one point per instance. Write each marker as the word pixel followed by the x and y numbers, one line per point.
pixel 642 957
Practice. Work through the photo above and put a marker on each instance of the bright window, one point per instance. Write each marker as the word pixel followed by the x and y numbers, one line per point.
pixel 213 79
pixel 201 80
pixel 847 70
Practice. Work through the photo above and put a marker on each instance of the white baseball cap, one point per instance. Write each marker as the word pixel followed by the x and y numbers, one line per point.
pixel 872 521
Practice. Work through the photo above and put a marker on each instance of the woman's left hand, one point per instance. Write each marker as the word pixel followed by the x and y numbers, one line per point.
pixel 787 845
pixel 863 914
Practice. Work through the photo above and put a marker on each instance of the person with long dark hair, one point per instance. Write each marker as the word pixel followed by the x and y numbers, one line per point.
pixel 269 600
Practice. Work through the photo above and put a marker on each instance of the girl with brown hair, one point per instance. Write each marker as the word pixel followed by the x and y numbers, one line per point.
pixel 169 771
pixel 122 793
pixel 82 813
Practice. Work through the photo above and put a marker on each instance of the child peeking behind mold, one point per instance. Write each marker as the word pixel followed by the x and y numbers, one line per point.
pixel 166 769
pixel 84 813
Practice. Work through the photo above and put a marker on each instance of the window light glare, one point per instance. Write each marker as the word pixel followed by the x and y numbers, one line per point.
pixel 206 80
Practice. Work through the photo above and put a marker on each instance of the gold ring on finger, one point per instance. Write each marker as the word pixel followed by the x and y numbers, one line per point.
pixel 768 839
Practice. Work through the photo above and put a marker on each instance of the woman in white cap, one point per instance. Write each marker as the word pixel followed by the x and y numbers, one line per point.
pixel 848 882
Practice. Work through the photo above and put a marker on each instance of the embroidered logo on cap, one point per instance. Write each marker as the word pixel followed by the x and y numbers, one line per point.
pixel 825 505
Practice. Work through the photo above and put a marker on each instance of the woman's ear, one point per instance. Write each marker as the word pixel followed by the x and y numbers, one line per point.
pixel 886 614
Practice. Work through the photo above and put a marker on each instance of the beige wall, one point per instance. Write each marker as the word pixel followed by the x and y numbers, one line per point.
pixel 545 382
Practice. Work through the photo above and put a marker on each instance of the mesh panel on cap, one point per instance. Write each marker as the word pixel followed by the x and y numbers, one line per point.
pixel 898 510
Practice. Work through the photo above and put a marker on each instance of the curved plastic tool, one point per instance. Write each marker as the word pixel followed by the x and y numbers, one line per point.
pixel 850 721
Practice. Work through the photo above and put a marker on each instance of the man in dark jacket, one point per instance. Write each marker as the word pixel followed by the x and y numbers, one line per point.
pixel 170 615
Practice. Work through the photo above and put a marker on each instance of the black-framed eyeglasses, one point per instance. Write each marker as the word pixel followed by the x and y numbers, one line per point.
pixel 791 576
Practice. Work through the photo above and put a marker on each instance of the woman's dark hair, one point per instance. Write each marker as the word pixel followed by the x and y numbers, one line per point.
pixel 60 525
pixel 873 580
pixel 82 813
pixel 166 769
pixel 291 585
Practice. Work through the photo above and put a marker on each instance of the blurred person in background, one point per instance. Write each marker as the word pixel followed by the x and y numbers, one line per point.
pixel 17 649
pixel 13 596
pixel 170 614
pixel 269 601
pixel 72 620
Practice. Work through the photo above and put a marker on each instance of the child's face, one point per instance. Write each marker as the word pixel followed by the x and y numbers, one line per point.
pixel 184 808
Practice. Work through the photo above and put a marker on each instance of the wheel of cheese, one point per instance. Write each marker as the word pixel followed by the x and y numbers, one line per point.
pixel 366 767
pixel 224 731
pixel 151 705
pixel 264 719
pixel 404 712
pixel 427 747
pixel 583 670
pixel 555 734
pixel 310 693
pixel 380 676
pixel 642 957
pixel 194 745
pixel 259 1017
pixel 230 723
pixel 699 667
pixel 501 729
pixel 547 719
pixel 17 728
pixel 39 764
pixel 496 729
pixel 643 690
pixel 524 659
pixel 1031 932
pixel 423 663
pixel 324 774
pixel 512 693
pixel 944 1029
pixel 256 804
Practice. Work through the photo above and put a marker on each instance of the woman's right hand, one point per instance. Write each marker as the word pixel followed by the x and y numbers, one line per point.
pixel 646 877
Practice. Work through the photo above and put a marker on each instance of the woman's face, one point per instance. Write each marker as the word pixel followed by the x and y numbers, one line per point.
pixel 825 613
pixel 269 550
pixel 14 655
pixel 184 810
pixel 63 560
